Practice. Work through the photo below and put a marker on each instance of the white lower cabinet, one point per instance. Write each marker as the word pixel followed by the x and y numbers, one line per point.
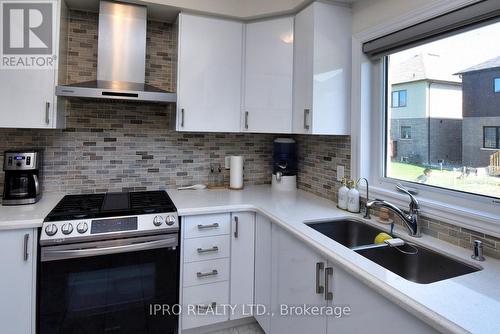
pixel 302 277
pixel 17 281
pixel 294 284
pixel 217 268
pixel 263 272
pixel 242 264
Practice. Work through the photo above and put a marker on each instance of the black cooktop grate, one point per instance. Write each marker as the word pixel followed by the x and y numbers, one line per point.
pixel 111 204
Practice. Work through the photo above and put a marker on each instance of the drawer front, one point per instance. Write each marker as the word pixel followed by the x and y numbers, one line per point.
pixel 197 298
pixel 209 248
pixel 206 225
pixel 203 272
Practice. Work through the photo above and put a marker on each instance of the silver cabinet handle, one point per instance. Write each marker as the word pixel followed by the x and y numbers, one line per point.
pixel 207 250
pixel 182 117
pixel 204 227
pixel 306 115
pixel 236 227
pixel 202 307
pixel 26 246
pixel 319 288
pixel 47 112
pixel 246 120
pixel 214 272
pixel 328 294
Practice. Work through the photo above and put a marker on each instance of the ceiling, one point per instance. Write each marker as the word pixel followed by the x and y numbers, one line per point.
pixel 167 10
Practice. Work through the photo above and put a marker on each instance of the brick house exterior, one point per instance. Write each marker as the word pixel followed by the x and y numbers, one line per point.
pixel 481 103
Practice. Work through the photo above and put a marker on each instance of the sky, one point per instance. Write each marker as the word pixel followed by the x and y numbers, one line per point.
pixel 459 51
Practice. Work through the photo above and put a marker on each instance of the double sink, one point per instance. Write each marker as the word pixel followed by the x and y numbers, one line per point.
pixel 410 261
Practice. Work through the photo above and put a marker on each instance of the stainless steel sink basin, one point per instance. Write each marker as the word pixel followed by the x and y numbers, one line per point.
pixel 414 263
pixel 348 232
pixel 420 265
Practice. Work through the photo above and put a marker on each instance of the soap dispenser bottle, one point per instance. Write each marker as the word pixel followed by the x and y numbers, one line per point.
pixel 353 198
pixel 342 204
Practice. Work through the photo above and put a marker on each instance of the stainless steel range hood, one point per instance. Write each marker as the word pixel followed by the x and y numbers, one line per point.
pixel 121 58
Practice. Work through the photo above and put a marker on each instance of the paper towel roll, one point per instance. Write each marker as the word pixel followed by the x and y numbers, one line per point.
pixel 236 172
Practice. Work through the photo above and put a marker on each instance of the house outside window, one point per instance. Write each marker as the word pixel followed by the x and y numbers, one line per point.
pixel 491 137
pixel 406 132
pixel 453 120
pixel 399 99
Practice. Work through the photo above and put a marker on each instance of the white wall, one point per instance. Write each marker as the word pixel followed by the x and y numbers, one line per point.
pixel 445 101
pixel 371 13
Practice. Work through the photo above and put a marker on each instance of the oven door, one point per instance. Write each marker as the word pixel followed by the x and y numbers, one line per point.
pixel 109 286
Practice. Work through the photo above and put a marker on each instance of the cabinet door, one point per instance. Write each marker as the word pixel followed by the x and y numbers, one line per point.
pixel 263 266
pixel 268 76
pixel 17 281
pixel 295 266
pixel 368 308
pixel 242 263
pixel 303 70
pixel 332 69
pixel 27 98
pixel 209 74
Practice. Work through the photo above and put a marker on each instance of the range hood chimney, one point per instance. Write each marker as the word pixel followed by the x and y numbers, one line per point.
pixel 121 58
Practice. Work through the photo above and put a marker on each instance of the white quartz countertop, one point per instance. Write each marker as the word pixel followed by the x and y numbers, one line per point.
pixel 469 303
pixel 28 216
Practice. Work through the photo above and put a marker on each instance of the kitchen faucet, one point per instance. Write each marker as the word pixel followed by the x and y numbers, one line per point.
pixel 410 219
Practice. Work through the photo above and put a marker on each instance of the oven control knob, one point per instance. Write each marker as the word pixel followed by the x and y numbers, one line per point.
pixel 82 228
pixel 51 230
pixel 67 228
pixel 170 220
pixel 158 220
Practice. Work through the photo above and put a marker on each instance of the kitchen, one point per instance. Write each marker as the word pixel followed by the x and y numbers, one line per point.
pixel 268 108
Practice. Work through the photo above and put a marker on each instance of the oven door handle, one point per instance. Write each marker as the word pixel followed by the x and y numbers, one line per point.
pixel 55 254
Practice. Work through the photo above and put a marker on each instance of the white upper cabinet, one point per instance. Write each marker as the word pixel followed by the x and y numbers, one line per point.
pixel 268 81
pixel 27 94
pixel 322 70
pixel 209 74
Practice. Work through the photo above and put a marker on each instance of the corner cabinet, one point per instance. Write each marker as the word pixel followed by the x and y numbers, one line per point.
pixel 268 77
pixel 17 281
pixel 322 70
pixel 27 95
pixel 209 74
pixel 301 276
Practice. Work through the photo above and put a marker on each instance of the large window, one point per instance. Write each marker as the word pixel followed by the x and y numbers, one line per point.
pixel 491 135
pixel 453 122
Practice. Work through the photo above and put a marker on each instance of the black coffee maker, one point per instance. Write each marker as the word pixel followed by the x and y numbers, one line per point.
pixel 22 172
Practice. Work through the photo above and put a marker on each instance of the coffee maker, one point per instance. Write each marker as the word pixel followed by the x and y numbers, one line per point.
pixel 22 172
pixel 284 164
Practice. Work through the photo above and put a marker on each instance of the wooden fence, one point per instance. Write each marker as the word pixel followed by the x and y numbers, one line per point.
pixel 495 164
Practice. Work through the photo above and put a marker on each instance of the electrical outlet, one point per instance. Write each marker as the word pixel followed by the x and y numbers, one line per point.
pixel 340 172
pixel 227 162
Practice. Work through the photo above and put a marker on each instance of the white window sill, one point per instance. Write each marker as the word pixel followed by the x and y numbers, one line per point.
pixel 448 212
pixel 489 149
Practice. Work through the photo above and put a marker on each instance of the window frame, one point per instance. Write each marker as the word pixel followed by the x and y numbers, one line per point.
pixel 496 81
pixel 497 137
pixel 368 131
pixel 401 132
pixel 398 92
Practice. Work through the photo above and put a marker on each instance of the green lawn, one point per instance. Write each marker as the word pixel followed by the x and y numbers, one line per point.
pixel 484 185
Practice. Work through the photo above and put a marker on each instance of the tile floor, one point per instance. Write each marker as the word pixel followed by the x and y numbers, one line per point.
pixel 245 329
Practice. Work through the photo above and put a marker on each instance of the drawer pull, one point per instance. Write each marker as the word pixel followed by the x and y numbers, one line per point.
pixel 202 307
pixel 204 227
pixel 208 250
pixel 214 272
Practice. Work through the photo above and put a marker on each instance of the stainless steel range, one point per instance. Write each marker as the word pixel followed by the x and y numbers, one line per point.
pixel 104 260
